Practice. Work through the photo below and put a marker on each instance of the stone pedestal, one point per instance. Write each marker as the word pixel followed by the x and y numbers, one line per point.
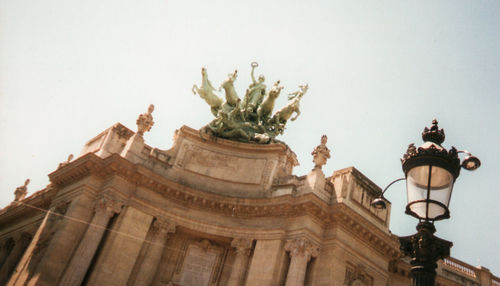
pixel 134 148
pixel 316 179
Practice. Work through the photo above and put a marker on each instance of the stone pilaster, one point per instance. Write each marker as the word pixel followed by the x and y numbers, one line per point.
pixel 121 249
pixel 301 250
pixel 105 209
pixel 263 270
pixel 21 243
pixel 5 250
pixel 149 265
pixel 243 247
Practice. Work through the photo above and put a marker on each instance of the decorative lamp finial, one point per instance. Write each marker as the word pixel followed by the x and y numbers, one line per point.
pixel 434 134
pixel 145 121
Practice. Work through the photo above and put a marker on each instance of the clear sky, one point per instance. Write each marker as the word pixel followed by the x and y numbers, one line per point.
pixel 378 71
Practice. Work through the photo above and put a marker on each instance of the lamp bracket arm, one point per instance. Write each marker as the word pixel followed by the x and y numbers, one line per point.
pixel 390 184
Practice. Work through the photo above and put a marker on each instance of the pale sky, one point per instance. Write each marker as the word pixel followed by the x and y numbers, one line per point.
pixel 378 71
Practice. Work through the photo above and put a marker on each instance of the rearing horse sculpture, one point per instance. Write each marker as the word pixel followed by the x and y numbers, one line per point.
pixel 282 115
pixel 231 97
pixel 267 106
pixel 206 91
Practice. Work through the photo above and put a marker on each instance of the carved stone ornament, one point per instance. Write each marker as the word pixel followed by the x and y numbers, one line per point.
pixel 302 247
pixel 21 191
pixel 108 206
pixel 250 119
pixel 242 245
pixel 321 153
pixel 357 276
pixel 145 121
pixel 163 226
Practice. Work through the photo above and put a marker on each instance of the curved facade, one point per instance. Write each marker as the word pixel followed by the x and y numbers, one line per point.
pixel 208 211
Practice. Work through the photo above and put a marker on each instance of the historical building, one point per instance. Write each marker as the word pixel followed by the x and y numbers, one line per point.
pixel 208 211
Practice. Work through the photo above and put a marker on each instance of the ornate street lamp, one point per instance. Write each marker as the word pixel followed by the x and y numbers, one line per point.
pixel 430 172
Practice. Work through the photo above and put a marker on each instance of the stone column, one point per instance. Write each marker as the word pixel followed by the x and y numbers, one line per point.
pixel 243 247
pixel 21 243
pixel 105 209
pixel 301 250
pixel 161 229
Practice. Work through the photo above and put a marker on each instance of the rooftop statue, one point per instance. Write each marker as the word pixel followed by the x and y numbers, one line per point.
pixel 321 153
pixel 145 121
pixel 250 119
pixel 21 191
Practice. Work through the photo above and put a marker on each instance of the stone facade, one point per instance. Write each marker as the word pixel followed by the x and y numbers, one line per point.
pixel 206 212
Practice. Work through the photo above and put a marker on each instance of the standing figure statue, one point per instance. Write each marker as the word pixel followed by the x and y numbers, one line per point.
pixel 321 153
pixel 206 91
pixel 255 92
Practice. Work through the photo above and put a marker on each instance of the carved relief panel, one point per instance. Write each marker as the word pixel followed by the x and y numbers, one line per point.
pixel 200 265
pixel 357 276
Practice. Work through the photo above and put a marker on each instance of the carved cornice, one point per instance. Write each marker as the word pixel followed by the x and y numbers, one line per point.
pixel 282 206
pixel 19 210
pixel 354 223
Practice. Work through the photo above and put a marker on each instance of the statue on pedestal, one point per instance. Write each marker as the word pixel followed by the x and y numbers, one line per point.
pixel 321 153
pixel 21 191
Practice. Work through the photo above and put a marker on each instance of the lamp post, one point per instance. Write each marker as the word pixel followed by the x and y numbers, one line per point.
pixel 430 172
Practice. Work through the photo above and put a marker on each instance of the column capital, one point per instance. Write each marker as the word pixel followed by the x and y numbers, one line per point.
pixel 242 245
pixel 302 247
pixel 109 206
pixel 161 225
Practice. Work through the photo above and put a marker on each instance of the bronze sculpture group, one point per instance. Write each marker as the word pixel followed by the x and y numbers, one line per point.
pixel 250 119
